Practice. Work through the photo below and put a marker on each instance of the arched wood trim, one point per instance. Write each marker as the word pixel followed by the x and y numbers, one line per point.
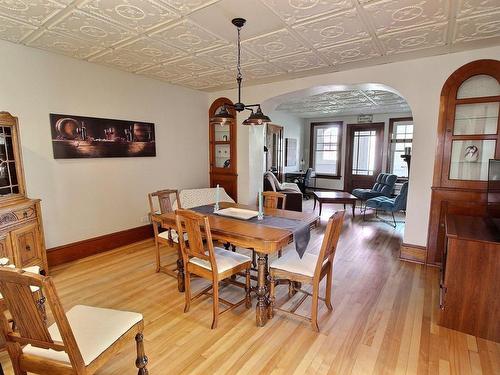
pixel 449 93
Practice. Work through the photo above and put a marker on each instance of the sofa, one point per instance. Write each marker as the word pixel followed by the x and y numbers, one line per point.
pixel 384 185
pixel 291 190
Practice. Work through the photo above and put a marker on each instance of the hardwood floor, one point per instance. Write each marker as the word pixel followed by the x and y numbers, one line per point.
pixel 384 319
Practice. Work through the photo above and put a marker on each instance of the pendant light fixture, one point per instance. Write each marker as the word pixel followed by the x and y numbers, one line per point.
pixel 256 117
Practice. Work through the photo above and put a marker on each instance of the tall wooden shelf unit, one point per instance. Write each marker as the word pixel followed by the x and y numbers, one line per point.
pixel 21 228
pixel 222 148
pixel 468 136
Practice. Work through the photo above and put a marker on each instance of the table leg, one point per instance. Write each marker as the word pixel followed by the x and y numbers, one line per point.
pixel 180 273
pixel 320 207
pixel 261 310
pixel 353 209
pixel 314 208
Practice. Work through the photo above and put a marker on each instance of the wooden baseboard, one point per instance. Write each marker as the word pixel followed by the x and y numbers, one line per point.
pixel 81 249
pixel 413 253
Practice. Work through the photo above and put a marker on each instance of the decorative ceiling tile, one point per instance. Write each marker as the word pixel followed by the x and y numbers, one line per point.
pixel 90 28
pixel 64 44
pixel 156 51
pixel 191 65
pixel 300 62
pixel 293 11
pixel 354 51
pixel 471 7
pixel 161 72
pixel 139 15
pixel 227 56
pixel 261 70
pixel 414 39
pixel 477 27
pixel 188 6
pixel 197 83
pixel 391 15
pixel 35 12
pixel 333 30
pixel 223 77
pixel 276 44
pixel 123 60
pixel 14 31
pixel 188 36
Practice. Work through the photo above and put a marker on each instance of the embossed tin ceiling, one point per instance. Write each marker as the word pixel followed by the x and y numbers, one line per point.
pixel 191 42
pixel 344 103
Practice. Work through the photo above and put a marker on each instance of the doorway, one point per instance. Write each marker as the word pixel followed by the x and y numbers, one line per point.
pixel 364 155
pixel 275 151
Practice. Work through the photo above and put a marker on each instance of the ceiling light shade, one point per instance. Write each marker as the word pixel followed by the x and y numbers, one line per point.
pixel 257 118
pixel 222 116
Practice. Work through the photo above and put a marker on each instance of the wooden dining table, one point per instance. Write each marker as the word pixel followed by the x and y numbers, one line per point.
pixel 265 240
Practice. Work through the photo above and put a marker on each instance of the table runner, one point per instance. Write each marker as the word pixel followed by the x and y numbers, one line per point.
pixel 301 231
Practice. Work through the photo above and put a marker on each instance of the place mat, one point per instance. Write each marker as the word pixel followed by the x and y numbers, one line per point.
pixel 301 231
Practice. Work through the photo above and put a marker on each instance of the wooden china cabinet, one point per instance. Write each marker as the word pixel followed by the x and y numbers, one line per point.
pixel 222 146
pixel 468 136
pixel 21 229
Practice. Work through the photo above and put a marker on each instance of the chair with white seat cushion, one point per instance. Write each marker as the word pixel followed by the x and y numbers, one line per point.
pixel 79 342
pixel 162 202
pixel 310 269
pixel 213 264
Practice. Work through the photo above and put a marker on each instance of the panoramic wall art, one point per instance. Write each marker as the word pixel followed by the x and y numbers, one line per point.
pixel 92 137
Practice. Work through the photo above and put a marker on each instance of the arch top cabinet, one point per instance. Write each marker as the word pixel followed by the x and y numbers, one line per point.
pixel 222 150
pixel 468 136
pixel 21 228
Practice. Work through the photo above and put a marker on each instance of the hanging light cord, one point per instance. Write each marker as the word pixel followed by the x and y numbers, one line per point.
pixel 239 76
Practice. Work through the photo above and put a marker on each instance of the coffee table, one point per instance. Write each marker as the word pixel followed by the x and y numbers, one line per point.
pixel 338 197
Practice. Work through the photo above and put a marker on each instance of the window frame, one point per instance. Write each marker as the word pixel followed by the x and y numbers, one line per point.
pixel 312 146
pixel 392 121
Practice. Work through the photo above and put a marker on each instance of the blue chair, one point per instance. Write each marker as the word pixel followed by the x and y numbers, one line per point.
pixel 389 204
pixel 384 185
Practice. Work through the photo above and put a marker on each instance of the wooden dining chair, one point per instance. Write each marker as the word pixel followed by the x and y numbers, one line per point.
pixel 214 264
pixel 310 269
pixel 167 237
pixel 273 198
pixel 79 342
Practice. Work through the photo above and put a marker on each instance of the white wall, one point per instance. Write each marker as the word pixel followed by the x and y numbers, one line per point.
pixel 338 184
pixel 83 198
pixel 419 81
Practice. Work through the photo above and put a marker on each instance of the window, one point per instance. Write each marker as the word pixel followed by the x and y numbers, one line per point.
pixel 401 137
pixel 326 141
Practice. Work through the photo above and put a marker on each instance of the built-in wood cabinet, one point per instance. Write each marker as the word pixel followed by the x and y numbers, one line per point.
pixel 468 136
pixel 222 149
pixel 21 228
pixel 470 280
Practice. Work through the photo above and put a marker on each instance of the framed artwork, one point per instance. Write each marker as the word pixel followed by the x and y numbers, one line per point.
pixel 93 137
pixel 290 152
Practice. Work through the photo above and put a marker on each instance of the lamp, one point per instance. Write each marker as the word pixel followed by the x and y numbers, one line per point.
pixel 223 116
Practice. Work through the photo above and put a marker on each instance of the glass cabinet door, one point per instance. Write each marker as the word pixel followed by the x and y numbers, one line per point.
pixel 473 138
pixel 8 173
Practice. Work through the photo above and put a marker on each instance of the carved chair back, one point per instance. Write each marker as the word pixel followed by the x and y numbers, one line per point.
pixel 28 312
pixel 330 241
pixel 197 227
pixel 273 198
pixel 166 199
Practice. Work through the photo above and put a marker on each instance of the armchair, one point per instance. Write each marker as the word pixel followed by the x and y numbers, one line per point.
pixel 291 190
pixel 389 204
pixel 383 187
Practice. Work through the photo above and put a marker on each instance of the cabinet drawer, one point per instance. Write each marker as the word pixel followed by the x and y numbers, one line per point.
pixel 26 245
pixel 17 216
